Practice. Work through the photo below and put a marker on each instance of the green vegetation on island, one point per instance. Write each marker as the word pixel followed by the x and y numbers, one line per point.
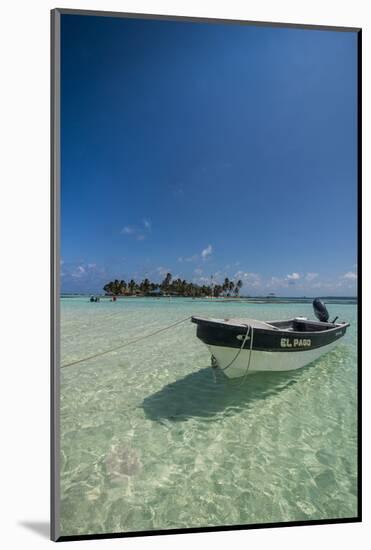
pixel 172 287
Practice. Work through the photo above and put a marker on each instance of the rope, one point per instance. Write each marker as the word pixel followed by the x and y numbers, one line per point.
pixel 248 363
pixel 99 354
pixel 249 329
pixel 239 351
pixel 102 319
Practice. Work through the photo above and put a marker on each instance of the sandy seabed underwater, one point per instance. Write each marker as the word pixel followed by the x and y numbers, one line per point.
pixel 153 438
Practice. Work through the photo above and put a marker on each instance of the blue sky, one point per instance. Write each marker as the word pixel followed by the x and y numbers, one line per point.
pixel 206 149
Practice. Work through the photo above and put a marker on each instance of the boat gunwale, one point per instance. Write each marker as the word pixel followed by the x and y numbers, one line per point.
pixel 275 330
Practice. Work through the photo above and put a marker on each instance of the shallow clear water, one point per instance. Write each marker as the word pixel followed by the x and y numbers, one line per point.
pixel 153 438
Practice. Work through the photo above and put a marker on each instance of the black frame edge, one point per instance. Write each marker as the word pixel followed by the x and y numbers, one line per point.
pixel 197 19
pixel 359 267
pixel 309 523
pixel 54 276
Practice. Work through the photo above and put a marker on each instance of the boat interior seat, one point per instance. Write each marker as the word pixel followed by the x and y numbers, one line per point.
pixel 305 325
pixel 255 323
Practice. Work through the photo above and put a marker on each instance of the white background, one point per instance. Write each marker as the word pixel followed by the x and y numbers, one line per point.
pixel 24 273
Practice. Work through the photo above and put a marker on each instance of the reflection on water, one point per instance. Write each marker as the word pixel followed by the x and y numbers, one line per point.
pixel 152 438
pixel 208 391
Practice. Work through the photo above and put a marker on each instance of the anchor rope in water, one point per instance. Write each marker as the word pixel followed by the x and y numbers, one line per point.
pixel 249 330
pixel 241 347
pixel 248 363
pixel 99 354
pixel 101 319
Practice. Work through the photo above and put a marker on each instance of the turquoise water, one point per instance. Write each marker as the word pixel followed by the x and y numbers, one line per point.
pixel 153 438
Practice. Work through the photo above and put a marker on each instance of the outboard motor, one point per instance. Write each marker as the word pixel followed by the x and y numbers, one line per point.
pixel 320 310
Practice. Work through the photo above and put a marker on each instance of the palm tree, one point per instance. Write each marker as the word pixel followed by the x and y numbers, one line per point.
pixel 108 288
pixel 132 286
pixel 226 285
pixel 218 289
pixel 184 288
pixel 178 286
pixel 166 282
pixel 145 286
pixel 115 287
pixel 238 287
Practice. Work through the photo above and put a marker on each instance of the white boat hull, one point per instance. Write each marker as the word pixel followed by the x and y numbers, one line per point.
pixel 264 360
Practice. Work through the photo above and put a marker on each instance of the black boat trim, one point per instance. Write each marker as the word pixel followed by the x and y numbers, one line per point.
pixel 217 333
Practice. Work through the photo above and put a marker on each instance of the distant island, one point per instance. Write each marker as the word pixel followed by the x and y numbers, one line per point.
pixel 172 287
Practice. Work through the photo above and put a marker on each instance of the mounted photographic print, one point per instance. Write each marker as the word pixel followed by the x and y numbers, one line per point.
pixel 205 274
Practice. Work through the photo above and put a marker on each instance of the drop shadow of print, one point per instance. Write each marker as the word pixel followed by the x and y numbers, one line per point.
pixel 42 528
pixel 208 393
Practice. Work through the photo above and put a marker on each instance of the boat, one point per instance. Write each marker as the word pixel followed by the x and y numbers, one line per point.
pixel 241 346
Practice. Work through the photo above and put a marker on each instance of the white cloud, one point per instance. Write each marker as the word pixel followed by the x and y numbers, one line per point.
pixel 162 270
pixel 198 271
pixel 147 224
pixel 350 275
pixel 207 252
pixel 203 280
pixel 248 278
pixel 135 231
pixel 127 230
pixel 79 272
pixel 218 277
pixel 276 282
pixel 319 284
pixel 311 276
pixel 188 259
pixel 293 276
pixel 204 255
